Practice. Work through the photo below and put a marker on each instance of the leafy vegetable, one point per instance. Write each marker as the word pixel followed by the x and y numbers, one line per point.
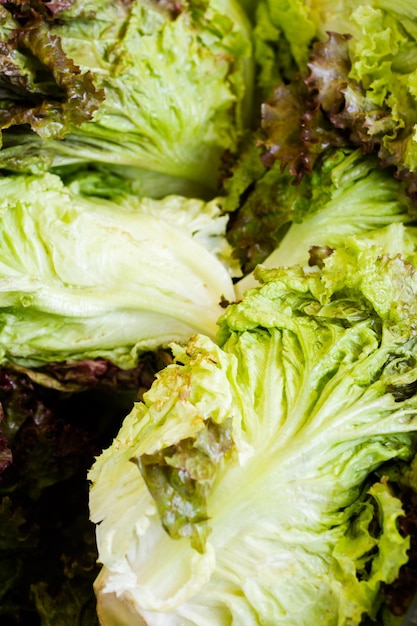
pixel 282 34
pixel 271 466
pixel 52 426
pixel 90 278
pixel 41 86
pixel 104 106
pixel 175 81
pixel 269 447
pixel 357 87
pixel 399 595
pixel 277 222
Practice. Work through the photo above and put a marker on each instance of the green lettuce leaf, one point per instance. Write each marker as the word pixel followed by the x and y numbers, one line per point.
pixel 310 388
pixel 85 277
pixel 276 222
pixel 282 36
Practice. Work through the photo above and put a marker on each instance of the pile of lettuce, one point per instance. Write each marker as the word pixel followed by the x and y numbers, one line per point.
pixel 208 225
pixel 114 119
pixel 330 77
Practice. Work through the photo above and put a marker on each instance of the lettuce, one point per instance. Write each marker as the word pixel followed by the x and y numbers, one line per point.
pixel 48 440
pixel 84 277
pixel 356 88
pixel 282 35
pixel 254 467
pixel 41 87
pixel 276 222
pixel 174 85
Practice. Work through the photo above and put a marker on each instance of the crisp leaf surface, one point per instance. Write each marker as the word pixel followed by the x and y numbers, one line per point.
pixel 304 374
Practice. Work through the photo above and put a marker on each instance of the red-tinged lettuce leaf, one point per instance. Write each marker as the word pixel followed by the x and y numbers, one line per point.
pixel 267 209
pixel 354 113
pixel 75 99
pixel 266 200
pixel 332 57
pixel 50 434
pixel 325 107
pixel 318 255
pixel 35 9
pixel 296 125
pixel 344 100
pixel 48 444
pixel 46 449
pixel 87 374
pixel 6 456
pixel 41 88
pixel 253 194
pixel 173 7
pixel 295 130
pixel 282 119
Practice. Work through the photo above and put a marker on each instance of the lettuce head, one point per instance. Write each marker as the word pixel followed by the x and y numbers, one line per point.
pixel 85 277
pixel 248 487
pixel 160 86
